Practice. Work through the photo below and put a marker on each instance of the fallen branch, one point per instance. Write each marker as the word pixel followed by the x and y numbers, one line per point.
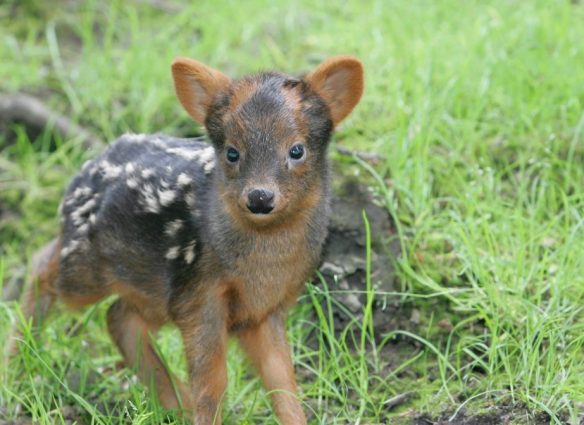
pixel 365 156
pixel 398 399
pixel 33 113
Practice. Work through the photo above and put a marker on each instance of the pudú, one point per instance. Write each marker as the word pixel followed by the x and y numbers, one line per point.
pixel 216 238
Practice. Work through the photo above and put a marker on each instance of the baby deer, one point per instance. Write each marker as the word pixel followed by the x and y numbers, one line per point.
pixel 217 239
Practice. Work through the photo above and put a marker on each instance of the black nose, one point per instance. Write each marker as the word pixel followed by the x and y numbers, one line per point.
pixel 260 201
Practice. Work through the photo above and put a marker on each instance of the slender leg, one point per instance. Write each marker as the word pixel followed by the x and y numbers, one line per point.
pixel 205 339
pixel 40 293
pixel 267 347
pixel 130 332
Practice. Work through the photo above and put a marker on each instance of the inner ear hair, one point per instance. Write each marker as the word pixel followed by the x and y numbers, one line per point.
pixel 196 84
pixel 339 81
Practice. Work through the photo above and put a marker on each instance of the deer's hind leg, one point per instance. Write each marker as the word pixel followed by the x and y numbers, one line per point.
pixel 131 333
pixel 40 291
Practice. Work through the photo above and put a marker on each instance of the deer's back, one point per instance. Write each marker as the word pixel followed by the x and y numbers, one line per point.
pixel 134 214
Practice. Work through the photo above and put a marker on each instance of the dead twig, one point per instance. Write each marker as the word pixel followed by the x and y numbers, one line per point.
pixel 365 156
pixel 398 399
pixel 33 113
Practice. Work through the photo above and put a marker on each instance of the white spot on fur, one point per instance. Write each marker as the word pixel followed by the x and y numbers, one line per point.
pixel 207 158
pixel 92 218
pixel 77 215
pixel 83 228
pixel 132 182
pixel 172 253
pixel 134 138
pixel 207 154
pixel 189 252
pixel 183 179
pixel 190 199
pixel 78 194
pixel 110 171
pixel 73 245
pixel 172 227
pixel 147 172
pixel 187 154
pixel 166 197
pixel 130 167
pixel 208 167
pixel 149 199
pixel 158 142
pixel 82 191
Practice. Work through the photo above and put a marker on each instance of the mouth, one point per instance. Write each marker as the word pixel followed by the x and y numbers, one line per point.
pixel 261 210
pixel 264 216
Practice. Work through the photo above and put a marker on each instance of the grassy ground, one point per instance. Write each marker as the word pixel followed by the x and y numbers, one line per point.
pixel 478 107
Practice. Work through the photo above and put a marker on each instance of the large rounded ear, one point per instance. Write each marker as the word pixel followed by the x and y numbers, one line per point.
pixel 339 81
pixel 196 85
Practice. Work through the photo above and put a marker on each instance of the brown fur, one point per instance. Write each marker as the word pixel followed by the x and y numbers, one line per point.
pixel 131 333
pixel 266 346
pixel 241 92
pixel 196 84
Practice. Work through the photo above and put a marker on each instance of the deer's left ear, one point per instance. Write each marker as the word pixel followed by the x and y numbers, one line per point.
pixel 339 81
pixel 196 85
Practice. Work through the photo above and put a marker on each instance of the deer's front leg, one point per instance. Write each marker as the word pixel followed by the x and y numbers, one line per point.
pixel 267 347
pixel 205 337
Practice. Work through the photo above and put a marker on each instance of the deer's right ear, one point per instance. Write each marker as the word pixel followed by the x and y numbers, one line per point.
pixel 339 81
pixel 196 85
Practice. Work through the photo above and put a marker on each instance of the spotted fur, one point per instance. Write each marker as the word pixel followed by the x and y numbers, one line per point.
pixel 133 186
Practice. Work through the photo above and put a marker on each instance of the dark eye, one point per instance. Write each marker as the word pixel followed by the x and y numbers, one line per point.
pixel 296 152
pixel 232 155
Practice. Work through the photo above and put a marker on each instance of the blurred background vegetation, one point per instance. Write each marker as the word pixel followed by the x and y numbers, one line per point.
pixel 477 108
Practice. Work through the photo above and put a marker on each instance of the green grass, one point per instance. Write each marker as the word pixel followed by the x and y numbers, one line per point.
pixel 478 107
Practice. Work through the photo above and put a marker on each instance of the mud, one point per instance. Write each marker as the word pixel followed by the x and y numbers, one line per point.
pixel 505 414
pixel 344 265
